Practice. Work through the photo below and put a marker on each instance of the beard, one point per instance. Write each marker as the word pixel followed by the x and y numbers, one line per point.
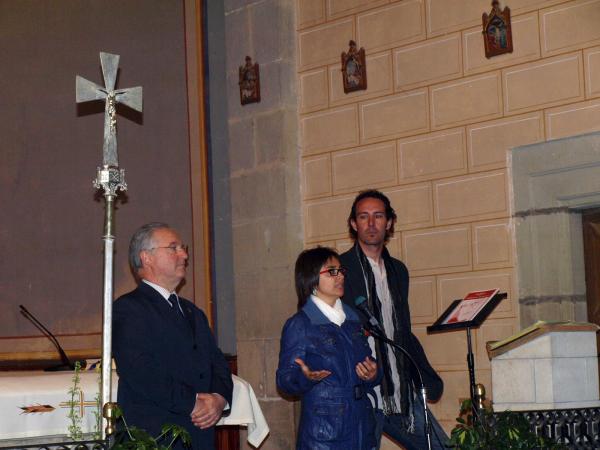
pixel 372 238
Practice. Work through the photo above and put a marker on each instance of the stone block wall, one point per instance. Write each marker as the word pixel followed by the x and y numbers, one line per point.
pixel 266 223
pixel 433 131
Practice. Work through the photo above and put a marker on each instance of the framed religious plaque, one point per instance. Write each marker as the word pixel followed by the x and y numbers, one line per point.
pixel 249 81
pixel 354 69
pixel 497 31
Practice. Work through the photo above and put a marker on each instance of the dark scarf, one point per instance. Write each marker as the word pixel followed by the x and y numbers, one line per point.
pixel 401 333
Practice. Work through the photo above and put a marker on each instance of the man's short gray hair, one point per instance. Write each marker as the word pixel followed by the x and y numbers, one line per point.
pixel 142 240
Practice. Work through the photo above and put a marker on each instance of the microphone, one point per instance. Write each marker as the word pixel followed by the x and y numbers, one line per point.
pixel 378 333
pixel 66 363
pixel 361 304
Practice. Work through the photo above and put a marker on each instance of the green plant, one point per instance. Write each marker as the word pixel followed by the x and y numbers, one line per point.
pixel 75 432
pixel 503 431
pixel 98 410
pixel 133 438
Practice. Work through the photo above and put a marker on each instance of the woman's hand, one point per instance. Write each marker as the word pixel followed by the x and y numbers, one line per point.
pixel 367 369
pixel 314 375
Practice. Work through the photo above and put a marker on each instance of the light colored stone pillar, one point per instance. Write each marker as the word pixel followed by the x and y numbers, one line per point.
pixel 552 182
pixel 265 198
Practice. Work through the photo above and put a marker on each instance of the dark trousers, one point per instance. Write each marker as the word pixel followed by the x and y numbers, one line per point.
pixel 393 427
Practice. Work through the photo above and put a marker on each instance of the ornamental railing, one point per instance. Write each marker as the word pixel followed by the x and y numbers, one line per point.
pixel 71 445
pixel 576 429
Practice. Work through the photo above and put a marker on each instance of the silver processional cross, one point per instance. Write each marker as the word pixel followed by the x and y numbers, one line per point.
pixel 110 178
pixel 87 91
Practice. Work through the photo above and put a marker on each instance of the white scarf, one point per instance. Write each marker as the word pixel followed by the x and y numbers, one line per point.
pixel 335 314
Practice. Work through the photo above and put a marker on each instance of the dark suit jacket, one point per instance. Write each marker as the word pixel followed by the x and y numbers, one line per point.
pixel 354 286
pixel 162 363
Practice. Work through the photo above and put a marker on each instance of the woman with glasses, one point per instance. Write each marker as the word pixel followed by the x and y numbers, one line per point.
pixel 325 360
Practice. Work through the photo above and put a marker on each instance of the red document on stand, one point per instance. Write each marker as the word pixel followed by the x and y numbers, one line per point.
pixel 469 306
pixel 468 312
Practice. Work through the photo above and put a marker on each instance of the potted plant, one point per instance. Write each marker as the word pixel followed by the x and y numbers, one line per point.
pixel 507 430
pixel 133 438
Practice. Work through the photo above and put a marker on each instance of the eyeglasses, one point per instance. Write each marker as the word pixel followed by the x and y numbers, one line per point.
pixel 334 271
pixel 174 248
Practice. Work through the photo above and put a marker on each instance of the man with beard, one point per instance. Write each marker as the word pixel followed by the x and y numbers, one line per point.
pixel 383 281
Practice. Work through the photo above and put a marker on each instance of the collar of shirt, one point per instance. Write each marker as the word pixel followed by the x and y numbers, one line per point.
pixel 377 268
pixel 162 291
pixel 336 313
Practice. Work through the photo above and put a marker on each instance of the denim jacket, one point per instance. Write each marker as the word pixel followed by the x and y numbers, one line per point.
pixel 336 411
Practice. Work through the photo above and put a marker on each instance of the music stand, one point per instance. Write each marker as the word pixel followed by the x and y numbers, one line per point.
pixel 458 317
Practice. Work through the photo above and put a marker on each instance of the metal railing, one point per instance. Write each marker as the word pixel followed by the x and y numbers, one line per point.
pixel 71 445
pixel 577 429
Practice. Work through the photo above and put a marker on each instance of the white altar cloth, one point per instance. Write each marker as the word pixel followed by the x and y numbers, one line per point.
pixel 35 390
pixel 246 412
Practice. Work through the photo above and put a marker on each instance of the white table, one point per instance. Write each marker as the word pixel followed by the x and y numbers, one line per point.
pixel 37 403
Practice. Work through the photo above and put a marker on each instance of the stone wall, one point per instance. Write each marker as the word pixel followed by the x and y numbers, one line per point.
pixel 266 219
pixel 552 183
pixel 433 131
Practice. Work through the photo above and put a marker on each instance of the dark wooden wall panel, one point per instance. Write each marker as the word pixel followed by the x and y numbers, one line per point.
pixel 51 225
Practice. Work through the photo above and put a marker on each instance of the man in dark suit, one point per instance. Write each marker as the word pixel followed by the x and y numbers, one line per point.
pixel 170 368
pixel 383 281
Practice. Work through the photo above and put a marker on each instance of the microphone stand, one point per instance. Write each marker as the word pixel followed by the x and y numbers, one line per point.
pixel 66 362
pixel 375 332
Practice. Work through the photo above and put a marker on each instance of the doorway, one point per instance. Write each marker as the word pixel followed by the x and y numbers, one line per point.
pixel 590 221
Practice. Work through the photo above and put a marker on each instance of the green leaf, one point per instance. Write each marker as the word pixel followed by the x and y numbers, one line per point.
pixel 511 431
pixel 167 427
pixel 118 412
pixel 133 438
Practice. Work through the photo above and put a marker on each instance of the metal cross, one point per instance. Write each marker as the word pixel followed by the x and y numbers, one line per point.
pixel 111 179
pixel 88 91
pixel 81 404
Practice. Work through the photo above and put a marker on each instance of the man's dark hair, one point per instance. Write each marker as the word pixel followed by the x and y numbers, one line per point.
pixel 306 272
pixel 389 211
